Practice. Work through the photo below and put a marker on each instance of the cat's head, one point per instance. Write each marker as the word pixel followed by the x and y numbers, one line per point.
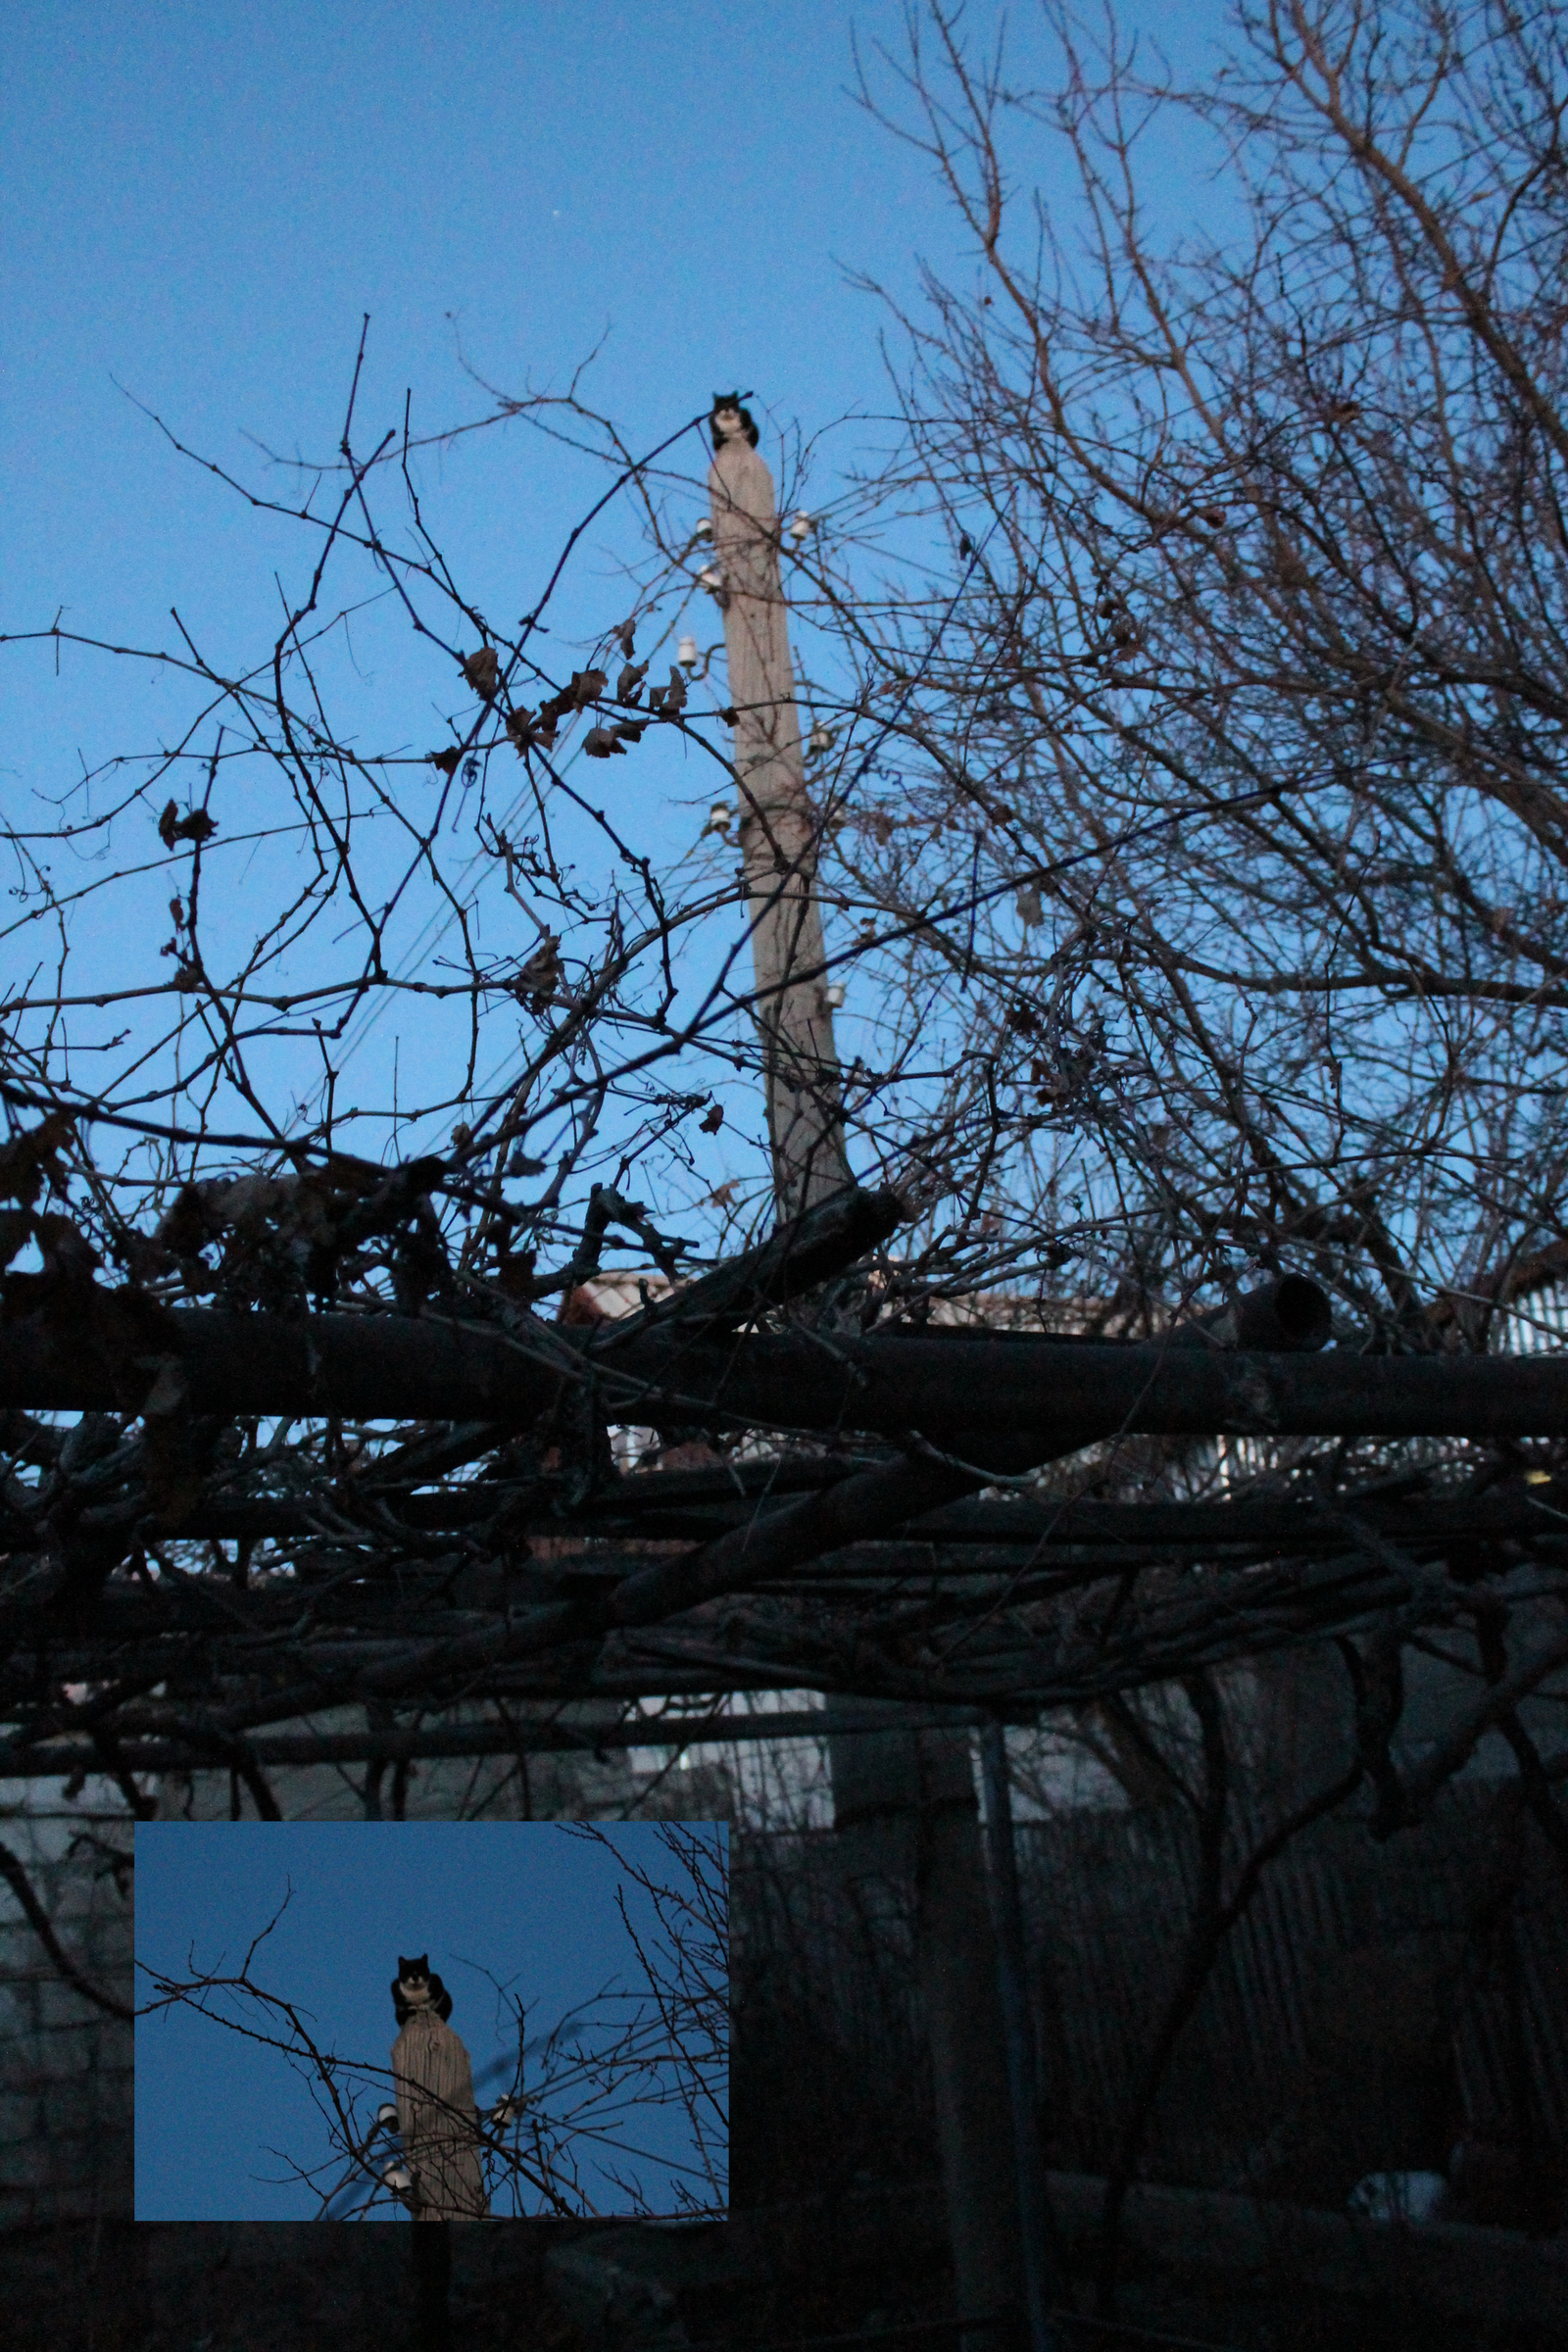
pixel 413 1972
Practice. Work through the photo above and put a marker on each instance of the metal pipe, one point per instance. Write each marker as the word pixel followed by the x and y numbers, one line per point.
pixel 1290 1316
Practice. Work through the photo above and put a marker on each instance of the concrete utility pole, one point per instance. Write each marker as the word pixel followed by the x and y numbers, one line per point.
pixel 904 1801
pixel 777 827
pixel 434 2081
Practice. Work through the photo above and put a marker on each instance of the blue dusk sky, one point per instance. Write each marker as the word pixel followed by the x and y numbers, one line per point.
pixel 202 204
pixel 219 2117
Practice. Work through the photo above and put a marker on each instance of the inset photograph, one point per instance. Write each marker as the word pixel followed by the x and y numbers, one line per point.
pixel 458 2021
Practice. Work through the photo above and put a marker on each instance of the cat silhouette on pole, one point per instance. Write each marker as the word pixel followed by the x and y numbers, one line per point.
pixel 438 2118
pixel 414 1988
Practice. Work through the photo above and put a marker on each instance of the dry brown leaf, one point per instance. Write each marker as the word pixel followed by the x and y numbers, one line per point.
pixel 194 825
pixel 26 1160
pixel 537 978
pixel 483 672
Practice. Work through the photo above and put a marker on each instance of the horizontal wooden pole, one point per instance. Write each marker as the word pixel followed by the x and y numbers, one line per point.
pixel 276 1749
pixel 634 1513
pixel 983 1397
pixel 979 1392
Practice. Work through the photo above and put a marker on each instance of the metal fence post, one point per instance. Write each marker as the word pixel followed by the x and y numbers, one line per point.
pixel 1042 2282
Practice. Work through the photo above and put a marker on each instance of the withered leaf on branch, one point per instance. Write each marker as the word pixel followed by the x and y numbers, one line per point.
pixel 27 1160
pixel 194 825
pixel 483 672
pixel 515 1276
pixel 446 761
pixel 626 637
pixel 178 1444
pixel 629 685
pixel 537 978
pixel 713 1119
pixel 525 731
pixel 191 1220
pixel 667 702
pixel 142 1257
pixel 603 743
pixel 67 1255
pixel 586 686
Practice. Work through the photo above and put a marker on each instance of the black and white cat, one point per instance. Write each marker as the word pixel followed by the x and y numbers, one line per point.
pixel 414 1988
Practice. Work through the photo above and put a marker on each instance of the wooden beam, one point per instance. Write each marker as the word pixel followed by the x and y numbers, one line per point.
pixel 971 1395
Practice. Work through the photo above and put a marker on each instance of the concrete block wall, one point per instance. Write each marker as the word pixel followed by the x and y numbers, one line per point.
pixel 67 2114
pixel 561 1785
